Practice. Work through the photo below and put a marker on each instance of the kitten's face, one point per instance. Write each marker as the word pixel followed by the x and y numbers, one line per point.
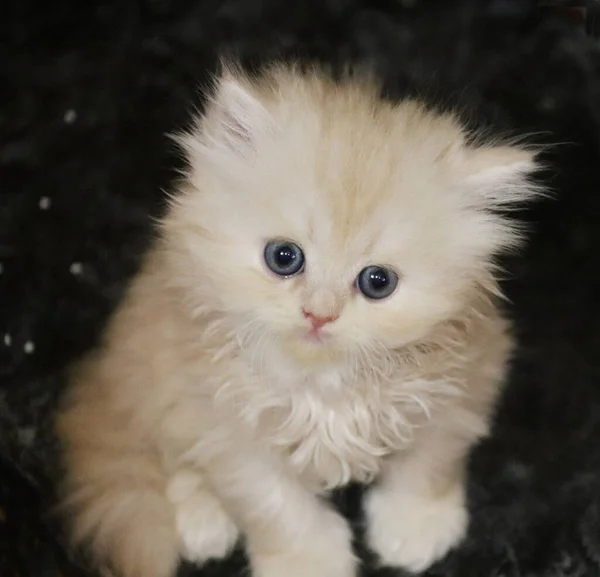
pixel 329 225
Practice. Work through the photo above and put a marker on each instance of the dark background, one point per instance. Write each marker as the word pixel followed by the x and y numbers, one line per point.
pixel 88 89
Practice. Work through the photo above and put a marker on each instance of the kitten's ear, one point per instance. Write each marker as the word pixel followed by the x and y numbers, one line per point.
pixel 235 117
pixel 500 175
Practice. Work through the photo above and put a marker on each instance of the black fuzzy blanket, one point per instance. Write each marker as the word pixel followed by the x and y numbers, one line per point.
pixel 88 90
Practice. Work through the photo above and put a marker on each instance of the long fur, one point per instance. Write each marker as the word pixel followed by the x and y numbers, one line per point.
pixel 204 372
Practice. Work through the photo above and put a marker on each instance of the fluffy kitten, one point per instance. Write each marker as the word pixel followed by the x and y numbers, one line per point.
pixel 319 308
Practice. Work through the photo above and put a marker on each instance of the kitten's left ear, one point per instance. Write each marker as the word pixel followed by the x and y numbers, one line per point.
pixel 500 175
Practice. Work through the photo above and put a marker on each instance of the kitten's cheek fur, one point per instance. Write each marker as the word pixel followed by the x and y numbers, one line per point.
pixel 413 531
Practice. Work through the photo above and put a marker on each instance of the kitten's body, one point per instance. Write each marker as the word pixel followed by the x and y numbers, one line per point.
pixel 210 408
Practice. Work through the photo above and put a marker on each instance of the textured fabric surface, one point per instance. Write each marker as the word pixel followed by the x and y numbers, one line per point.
pixel 88 91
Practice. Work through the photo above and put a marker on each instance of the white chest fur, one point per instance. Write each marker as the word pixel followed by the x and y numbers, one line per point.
pixel 332 431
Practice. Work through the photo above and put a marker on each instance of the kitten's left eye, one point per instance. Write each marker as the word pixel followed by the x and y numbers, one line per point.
pixel 284 258
pixel 377 282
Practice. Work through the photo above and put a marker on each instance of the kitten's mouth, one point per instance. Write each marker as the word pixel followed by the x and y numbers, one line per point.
pixel 316 337
pixel 311 347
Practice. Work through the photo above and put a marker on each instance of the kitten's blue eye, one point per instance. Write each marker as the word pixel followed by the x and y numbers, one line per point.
pixel 284 258
pixel 377 282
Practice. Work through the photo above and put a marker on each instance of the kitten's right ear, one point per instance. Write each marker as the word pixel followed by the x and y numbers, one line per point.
pixel 233 121
pixel 235 118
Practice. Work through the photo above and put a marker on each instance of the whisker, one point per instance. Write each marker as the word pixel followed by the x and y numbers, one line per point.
pixel 256 350
pixel 245 332
pixel 263 346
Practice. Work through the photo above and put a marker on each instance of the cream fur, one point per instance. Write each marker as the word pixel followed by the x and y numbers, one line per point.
pixel 206 412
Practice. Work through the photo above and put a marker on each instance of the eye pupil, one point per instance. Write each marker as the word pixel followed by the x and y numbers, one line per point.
pixel 284 258
pixel 377 282
pixel 378 279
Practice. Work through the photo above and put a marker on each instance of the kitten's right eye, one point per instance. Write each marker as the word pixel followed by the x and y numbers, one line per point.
pixel 284 258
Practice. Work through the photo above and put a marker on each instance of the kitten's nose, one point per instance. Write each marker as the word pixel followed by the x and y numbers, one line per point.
pixel 317 321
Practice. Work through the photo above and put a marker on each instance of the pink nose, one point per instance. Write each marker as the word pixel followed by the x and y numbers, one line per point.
pixel 317 321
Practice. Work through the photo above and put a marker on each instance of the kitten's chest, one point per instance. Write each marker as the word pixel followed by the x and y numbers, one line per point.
pixel 332 440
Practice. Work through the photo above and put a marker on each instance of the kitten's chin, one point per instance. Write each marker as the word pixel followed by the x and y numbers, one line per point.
pixel 310 349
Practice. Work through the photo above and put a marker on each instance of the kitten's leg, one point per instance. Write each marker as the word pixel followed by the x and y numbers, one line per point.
pixel 113 489
pixel 416 513
pixel 206 530
pixel 288 530
pixel 116 505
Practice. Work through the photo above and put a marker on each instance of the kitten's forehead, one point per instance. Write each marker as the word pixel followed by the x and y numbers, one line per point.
pixel 357 184
pixel 358 157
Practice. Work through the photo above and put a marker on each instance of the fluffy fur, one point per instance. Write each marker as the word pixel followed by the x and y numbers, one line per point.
pixel 207 412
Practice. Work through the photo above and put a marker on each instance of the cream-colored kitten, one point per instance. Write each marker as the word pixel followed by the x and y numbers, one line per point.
pixel 319 308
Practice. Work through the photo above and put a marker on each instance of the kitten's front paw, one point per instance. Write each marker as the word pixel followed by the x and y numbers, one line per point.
pixel 326 552
pixel 411 531
pixel 205 529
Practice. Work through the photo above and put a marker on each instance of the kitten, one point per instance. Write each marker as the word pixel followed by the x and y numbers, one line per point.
pixel 319 308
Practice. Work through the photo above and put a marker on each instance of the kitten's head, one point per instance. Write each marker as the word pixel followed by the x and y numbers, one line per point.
pixel 322 220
